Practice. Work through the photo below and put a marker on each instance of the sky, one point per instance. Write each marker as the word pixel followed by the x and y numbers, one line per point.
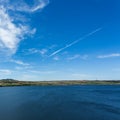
pixel 60 39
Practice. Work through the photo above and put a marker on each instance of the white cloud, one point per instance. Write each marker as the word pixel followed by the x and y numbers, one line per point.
pixel 28 77
pixel 43 51
pixel 10 34
pixel 56 58
pixel 31 51
pixel 82 76
pixel 19 62
pixel 109 55
pixel 23 5
pixel 18 68
pixel 5 71
pixel 84 57
pixel 73 57
pixel 41 5
pixel 13 30
pixel 36 51
pixel 24 67
pixel 42 72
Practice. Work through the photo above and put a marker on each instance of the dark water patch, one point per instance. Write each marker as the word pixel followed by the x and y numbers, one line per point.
pixel 104 107
pixel 60 103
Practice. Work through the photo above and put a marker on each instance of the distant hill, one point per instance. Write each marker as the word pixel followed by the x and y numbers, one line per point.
pixel 12 82
pixel 8 80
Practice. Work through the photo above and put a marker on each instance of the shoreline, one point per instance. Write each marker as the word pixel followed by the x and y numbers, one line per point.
pixel 10 82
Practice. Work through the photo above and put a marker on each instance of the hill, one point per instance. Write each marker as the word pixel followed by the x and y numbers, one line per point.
pixel 12 82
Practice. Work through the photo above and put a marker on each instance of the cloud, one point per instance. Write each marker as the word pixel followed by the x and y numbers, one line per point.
pixel 25 5
pixel 5 71
pixel 74 57
pixel 43 51
pixel 109 55
pixel 56 58
pixel 84 57
pixel 36 51
pixel 19 62
pixel 41 5
pixel 28 77
pixel 74 42
pixel 42 72
pixel 24 67
pixel 13 30
pixel 10 34
pixel 82 76
pixel 31 51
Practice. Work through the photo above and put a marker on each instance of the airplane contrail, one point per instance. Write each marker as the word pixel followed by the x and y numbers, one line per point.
pixel 76 41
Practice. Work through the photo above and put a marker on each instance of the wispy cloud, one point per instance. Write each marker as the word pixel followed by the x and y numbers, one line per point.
pixel 109 55
pixel 76 41
pixel 36 51
pixel 77 56
pixel 23 6
pixel 23 67
pixel 56 58
pixel 81 76
pixel 19 62
pixel 42 72
pixel 43 51
pixel 39 5
pixel 10 34
pixel 13 30
pixel 5 71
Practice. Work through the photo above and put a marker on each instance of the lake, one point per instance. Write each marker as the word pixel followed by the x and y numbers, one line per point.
pixel 87 102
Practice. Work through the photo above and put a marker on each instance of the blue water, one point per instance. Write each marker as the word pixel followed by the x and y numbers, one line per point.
pixel 60 103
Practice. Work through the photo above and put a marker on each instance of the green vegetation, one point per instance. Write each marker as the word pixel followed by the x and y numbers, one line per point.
pixel 11 82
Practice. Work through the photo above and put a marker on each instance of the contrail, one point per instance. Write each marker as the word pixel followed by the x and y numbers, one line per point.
pixel 76 41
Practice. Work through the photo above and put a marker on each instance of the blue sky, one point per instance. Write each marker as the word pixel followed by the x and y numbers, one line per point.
pixel 60 39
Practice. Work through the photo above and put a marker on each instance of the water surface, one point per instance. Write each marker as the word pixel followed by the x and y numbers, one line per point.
pixel 60 103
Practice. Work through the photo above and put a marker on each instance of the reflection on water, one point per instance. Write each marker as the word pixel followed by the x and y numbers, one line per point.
pixel 60 103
